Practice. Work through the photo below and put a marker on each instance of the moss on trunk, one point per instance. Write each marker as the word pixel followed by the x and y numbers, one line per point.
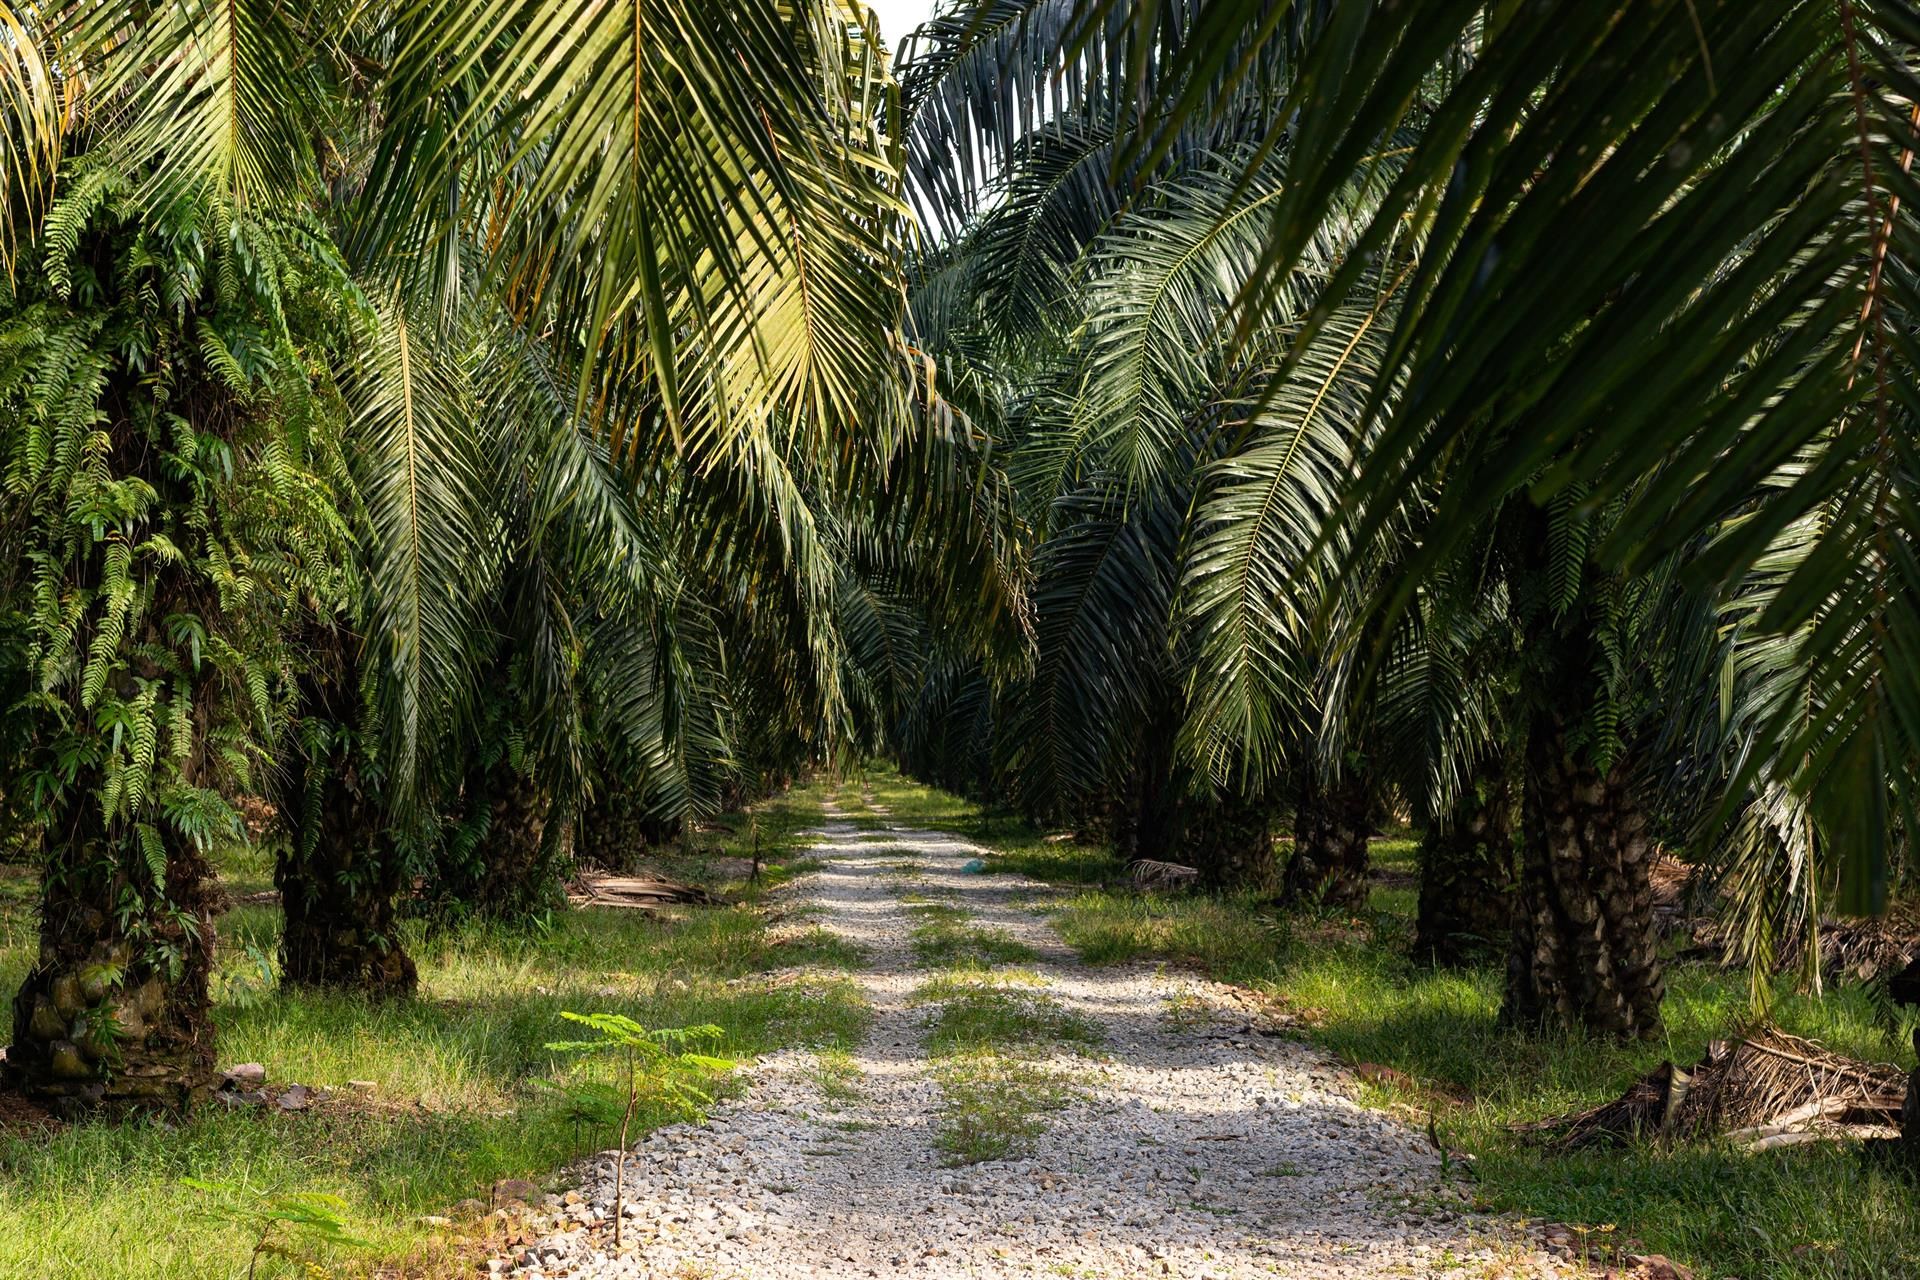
pixel 115 1012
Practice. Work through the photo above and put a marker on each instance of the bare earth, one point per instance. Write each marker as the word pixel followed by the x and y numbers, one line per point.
pixel 1197 1149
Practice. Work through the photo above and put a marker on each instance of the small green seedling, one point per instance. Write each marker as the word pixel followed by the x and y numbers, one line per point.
pixel 659 1060
pixel 292 1225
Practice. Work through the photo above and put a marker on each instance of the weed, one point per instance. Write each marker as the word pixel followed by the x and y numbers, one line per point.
pixel 454 1107
pixel 657 1061
pixel 985 1017
pixel 1185 1011
pixel 943 938
pixel 992 1104
pixel 301 1227
pixel 835 1074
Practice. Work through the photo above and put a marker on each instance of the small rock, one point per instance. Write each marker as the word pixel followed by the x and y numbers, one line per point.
pixel 515 1191
pixel 247 1075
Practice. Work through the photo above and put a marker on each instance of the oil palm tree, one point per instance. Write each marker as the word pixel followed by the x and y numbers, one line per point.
pixel 692 215
pixel 1657 302
pixel 1685 363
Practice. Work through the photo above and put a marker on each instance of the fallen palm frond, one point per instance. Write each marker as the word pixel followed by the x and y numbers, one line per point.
pixel 1851 951
pixel 1865 949
pixel 1687 907
pixel 643 893
pixel 1767 1089
pixel 1148 875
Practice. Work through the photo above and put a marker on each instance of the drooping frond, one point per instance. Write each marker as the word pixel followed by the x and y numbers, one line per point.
pixel 1103 598
pixel 1257 569
pixel 431 550
pixel 1699 274
pixel 219 95
pixel 699 196
pixel 39 104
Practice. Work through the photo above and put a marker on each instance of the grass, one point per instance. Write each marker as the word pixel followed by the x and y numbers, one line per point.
pixel 987 1031
pixel 1001 1011
pixel 942 937
pixel 993 1105
pixel 836 1075
pixel 1805 1213
pixel 454 1104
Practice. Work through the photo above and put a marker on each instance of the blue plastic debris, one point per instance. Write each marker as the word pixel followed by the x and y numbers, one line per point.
pixel 973 866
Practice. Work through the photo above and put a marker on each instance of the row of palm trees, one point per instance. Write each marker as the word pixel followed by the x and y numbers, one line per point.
pixel 462 425
pixel 1500 411
pixel 478 423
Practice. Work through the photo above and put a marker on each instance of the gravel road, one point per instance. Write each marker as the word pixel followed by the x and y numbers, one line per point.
pixel 1191 1145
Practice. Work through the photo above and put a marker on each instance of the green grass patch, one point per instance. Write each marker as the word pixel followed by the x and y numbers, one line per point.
pixel 454 1103
pixel 993 1105
pixel 981 1014
pixel 1231 937
pixel 942 938
pixel 819 948
pixel 953 983
pixel 987 1031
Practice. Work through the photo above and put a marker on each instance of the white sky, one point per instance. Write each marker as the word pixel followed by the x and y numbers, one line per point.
pixel 897 17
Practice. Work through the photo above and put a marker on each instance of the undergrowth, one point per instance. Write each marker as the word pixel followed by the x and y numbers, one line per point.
pixel 994 1035
pixel 942 937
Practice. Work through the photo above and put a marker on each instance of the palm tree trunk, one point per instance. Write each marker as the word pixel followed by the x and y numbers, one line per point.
pixel 1229 838
pixel 1583 949
pixel 1466 873
pixel 1330 827
pixel 616 827
pixel 514 871
pixel 340 880
pixel 115 1012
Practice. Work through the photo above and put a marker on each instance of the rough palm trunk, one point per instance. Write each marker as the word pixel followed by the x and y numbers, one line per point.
pixel 1157 824
pixel 340 880
pixel 1583 949
pixel 514 871
pixel 1466 873
pixel 1230 840
pixel 115 1012
pixel 1330 826
pixel 616 827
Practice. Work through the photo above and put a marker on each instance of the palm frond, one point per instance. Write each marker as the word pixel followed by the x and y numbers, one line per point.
pixel 432 549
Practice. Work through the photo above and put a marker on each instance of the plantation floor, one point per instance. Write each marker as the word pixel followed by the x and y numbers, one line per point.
pixel 1013 1112
pixel 432 1101
pixel 1431 1047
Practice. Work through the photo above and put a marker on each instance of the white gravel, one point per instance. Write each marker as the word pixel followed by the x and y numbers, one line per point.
pixel 1203 1148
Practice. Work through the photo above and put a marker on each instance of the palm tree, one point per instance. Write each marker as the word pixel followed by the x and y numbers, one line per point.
pixel 177 478
pixel 1656 300
pixel 578 171
pixel 1790 312
pixel 1140 431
